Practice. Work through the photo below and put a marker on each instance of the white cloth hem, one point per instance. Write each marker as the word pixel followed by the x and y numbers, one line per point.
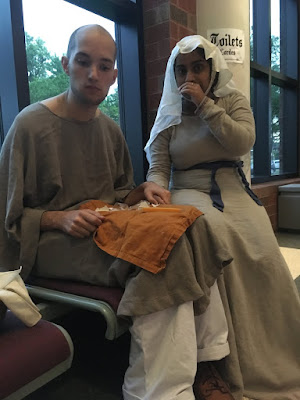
pixel 213 353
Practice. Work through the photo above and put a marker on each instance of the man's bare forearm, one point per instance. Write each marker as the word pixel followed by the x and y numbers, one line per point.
pixel 50 220
pixel 136 195
pixel 78 223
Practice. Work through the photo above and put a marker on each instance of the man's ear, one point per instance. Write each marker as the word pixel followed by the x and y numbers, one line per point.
pixel 115 75
pixel 65 64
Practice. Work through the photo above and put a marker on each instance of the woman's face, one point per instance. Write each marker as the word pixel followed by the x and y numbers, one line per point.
pixel 192 67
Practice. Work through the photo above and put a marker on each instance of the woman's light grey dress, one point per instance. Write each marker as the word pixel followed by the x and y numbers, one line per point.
pixel 258 292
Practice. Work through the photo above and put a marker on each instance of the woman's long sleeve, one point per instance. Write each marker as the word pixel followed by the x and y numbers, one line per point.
pixel 233 126
pixel 160 167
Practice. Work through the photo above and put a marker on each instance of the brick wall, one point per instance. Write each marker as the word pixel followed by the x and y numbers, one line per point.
pixel 165 23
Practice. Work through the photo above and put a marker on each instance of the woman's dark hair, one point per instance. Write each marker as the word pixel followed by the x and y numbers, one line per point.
pixel 200 50
pixel 215 82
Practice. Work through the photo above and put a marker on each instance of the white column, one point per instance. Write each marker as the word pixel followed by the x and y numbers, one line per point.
pixel 229 14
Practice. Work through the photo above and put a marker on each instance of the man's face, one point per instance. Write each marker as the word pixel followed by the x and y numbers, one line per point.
pixel 91 67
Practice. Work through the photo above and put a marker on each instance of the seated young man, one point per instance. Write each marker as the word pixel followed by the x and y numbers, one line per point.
pixel 62 152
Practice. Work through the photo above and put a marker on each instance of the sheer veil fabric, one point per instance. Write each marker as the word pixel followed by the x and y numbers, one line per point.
pixel 170 107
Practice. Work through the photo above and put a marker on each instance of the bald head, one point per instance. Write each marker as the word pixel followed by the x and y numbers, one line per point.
pixel 84 30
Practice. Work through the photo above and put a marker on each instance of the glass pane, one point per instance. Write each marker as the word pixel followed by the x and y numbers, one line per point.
pixel 252 94
pixel 275 35
pixel 276 131
pixel 48 26
pixel 252 105
pixel 1 127
pixel 251 30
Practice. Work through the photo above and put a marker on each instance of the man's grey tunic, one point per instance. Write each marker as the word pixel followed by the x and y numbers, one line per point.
pixel 51 163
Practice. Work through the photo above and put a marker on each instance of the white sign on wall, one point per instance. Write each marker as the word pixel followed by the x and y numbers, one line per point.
pixel 231 43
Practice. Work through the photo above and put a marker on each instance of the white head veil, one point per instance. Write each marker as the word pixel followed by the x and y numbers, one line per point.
pixel 170 107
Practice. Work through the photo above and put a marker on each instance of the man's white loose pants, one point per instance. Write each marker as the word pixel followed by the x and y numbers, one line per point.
pixel 166 347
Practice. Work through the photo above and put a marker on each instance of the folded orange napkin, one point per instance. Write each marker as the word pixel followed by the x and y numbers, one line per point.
pixel 141 237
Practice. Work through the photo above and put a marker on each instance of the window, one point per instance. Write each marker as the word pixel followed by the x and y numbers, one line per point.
pixel 16 90
pixel 274 81
pixel 1 127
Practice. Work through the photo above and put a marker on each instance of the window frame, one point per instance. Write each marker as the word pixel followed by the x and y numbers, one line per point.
pixel 263 78
pixel 127 15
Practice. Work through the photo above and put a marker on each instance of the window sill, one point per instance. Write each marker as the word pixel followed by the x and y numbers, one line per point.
pixel 280 182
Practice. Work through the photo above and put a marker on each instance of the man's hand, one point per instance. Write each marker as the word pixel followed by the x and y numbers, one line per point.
pixel 77 223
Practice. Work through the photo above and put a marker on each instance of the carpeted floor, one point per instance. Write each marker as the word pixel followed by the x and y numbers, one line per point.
pixel 289 243
pixel 99 365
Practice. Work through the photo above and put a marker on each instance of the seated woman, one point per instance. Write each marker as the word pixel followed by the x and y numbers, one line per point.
pixel 203 127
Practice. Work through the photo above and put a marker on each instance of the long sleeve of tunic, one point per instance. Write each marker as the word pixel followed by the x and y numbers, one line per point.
pixel 219 131
pixel 49 163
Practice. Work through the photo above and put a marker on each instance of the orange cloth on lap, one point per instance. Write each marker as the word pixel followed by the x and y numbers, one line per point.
pixel 142 238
